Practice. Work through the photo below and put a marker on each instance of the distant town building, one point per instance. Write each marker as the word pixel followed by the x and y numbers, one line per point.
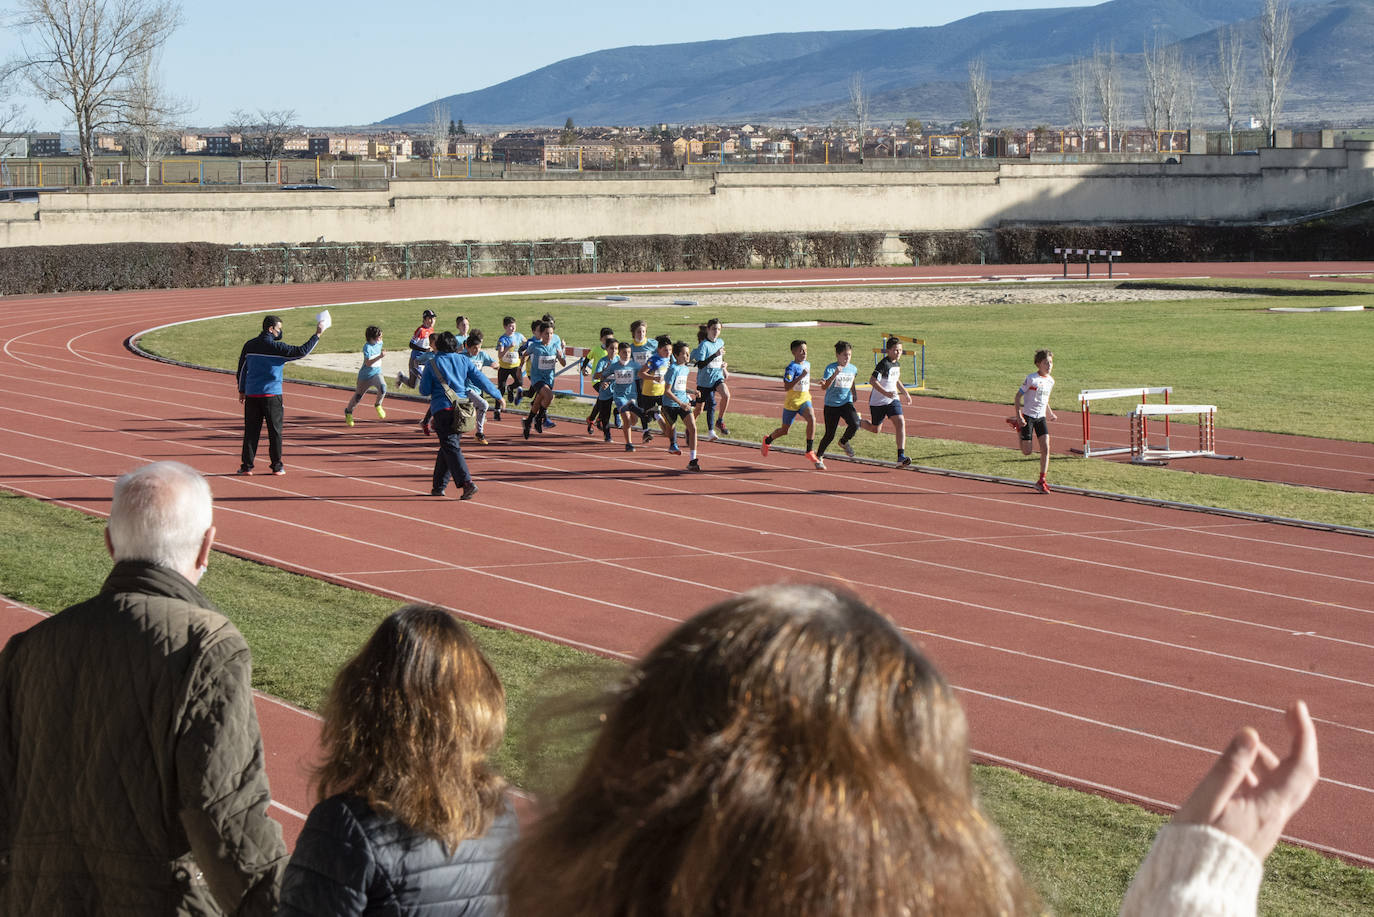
pixel 45 145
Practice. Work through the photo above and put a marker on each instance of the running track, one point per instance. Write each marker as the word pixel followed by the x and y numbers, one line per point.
pixel 1099 644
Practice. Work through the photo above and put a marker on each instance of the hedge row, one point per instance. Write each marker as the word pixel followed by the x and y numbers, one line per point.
pixel 129 266
pixel 1317 240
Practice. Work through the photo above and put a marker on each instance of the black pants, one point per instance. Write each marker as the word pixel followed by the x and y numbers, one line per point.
pixel 833 415
pixel 449 461
pixel 255 411
pixel 601 412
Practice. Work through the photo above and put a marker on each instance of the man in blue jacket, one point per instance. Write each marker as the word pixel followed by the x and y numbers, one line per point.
pixel 259 376
pixel 452 371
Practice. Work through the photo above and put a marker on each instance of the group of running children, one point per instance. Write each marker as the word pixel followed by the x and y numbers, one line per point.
pixel 646 380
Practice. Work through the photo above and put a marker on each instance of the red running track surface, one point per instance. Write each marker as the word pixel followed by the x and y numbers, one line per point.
pixel 1100 644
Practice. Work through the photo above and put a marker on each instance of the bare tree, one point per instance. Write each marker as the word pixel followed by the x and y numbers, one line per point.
pixel 1081 98
pixel 979 92
pixel 858 104
pixel 1227 75
pixel 1163 86
pixel 1275 60
pixel 264 134
pixel 436 133
pixel 81 53
pixel 1107 88
pixel 150 116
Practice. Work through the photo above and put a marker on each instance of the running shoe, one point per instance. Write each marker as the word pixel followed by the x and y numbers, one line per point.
pixel 713 437
pixel 848 449
pixel 549 424
pixel 480 438
pixel 525 427
pixel 816 460
pixel 673 449
pixel 469 491
pixel 496 415
pixel 381 412
pixel 1043 486
pixel 903 461
pixel 400 380
pixel 281 471
pixel 608 437
pixel 348 418
pixel 436 493
pixel 693 466
pixel 720 425
pixel 590 427
pixel 629 447
pixel 648 436
pixel 763 447
pixel 245 469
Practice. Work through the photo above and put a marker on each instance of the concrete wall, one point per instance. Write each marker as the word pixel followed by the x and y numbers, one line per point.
pixel 1275 183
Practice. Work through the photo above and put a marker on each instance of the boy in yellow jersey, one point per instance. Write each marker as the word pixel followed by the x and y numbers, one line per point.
pixel 796 382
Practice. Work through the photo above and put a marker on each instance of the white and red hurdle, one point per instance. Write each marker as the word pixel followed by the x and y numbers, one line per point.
pixel 1142 453
pixel 1086 397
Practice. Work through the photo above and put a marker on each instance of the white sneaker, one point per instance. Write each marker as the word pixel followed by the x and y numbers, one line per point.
pixel 848 449
pixel 714 437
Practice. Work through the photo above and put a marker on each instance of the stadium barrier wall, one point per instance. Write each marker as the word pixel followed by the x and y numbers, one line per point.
pixel 1275 183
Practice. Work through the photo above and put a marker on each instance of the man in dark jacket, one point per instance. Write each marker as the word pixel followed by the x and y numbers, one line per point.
pixel 131 765
pixel 259 375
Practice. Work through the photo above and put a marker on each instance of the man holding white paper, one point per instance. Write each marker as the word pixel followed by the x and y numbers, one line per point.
pixel 259 380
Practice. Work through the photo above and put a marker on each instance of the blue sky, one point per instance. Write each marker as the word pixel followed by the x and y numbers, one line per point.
pixel 356 61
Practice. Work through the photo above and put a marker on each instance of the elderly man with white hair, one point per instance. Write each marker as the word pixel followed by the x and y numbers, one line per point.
pixel 131 765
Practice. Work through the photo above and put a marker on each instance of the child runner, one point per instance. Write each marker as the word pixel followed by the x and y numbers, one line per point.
pixel 1032 406
pixel 641 349
pixel 563 360
pixel 796 381
pixel 461 328
pixel 621 375
pixel 651 375
pixel 508 361
pixel 709 357
pixel 838 383
pixel 677 406
pixel 592 365
pixel 543 357
pixel 602 374
pixel 420 351
pixel 883 400
pixel 481 359
pixel 369 375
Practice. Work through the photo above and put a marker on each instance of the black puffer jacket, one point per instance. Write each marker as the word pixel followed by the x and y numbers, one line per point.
pixel 352 860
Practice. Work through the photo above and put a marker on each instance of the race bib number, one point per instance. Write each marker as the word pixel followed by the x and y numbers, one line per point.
pixel 843 381
pixel 803 383
pixel 624 376
pixel 547 362
pixel 680 385
pixel 716 362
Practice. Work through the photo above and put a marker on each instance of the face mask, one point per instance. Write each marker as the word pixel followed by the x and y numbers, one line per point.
pixel 276 335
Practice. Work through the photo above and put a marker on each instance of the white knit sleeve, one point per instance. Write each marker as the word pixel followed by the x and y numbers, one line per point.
pixel 1195 871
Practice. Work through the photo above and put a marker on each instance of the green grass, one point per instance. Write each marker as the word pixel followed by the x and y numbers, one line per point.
pixel 1078 850
pixel 1304 374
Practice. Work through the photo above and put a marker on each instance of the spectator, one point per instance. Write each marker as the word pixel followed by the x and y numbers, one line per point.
pixel 259 378
pixel 411 819
pixel 131 766
pixel 787 752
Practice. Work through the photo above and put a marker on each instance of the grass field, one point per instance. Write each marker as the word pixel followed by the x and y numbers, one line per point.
pixel 1306 374
pixel 1078 850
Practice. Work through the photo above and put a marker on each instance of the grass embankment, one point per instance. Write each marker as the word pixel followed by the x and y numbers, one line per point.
pixel 1302 374
pixel 1078 850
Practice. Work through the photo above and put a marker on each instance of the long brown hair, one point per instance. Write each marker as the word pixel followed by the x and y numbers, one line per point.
pixel 785 752
pixel 409 724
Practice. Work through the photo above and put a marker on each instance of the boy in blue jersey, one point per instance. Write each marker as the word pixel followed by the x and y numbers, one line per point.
pixel 677 406
pixel 605 396
pixel 709 357
pixel 369 375
pixel 508 361
pixel 481 359
pixel 651 373
pixel 838 383
pixel 622 377
pixel 641 349
pixel 592 366
pixel 544 356
pixel 796 382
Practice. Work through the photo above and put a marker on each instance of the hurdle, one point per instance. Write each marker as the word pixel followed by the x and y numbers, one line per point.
pixel 1087 254
pixel 1087 396
pixel 1143 454
pixel 574 355
pixel 918 358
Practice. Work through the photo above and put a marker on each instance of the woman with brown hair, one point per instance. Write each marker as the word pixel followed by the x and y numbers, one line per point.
pixel 411 816
pixel 788 753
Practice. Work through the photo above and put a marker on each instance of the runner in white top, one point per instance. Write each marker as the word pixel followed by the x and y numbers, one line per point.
pixel 1032 405
pixel 883 403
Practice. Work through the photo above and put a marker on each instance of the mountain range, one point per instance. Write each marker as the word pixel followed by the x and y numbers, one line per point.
pixel 804 77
